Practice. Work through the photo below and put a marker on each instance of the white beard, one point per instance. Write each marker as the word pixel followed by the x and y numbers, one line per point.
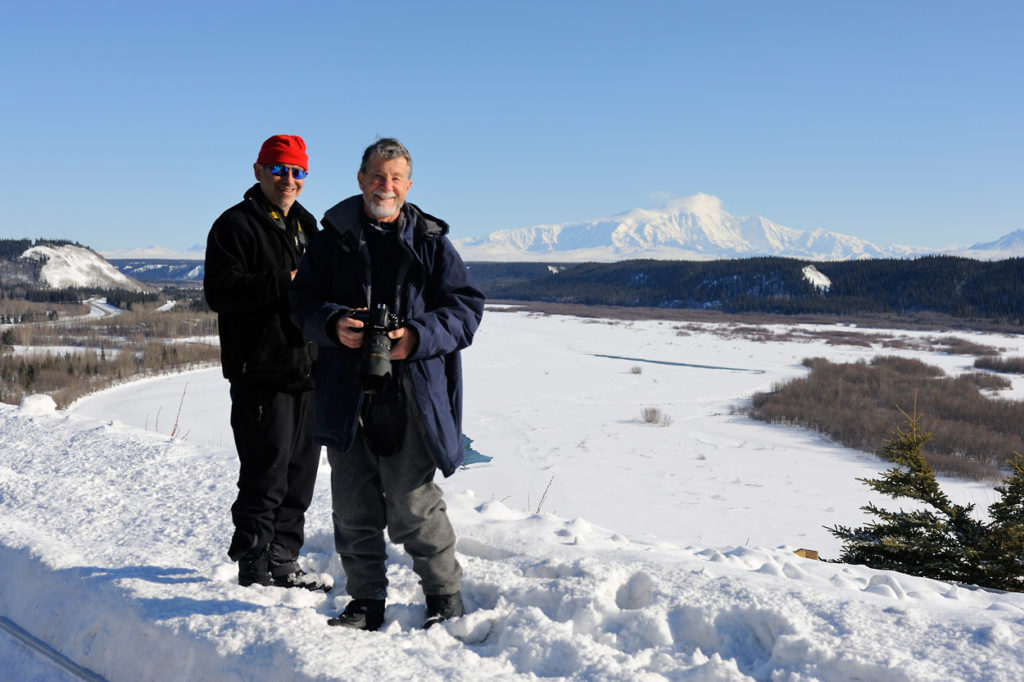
pixel 380 210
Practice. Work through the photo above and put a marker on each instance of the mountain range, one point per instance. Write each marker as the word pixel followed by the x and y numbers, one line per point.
pixel 696 228
pixel 690 228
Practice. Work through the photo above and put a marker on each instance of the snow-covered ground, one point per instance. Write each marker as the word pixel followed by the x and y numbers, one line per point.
pixel 595 546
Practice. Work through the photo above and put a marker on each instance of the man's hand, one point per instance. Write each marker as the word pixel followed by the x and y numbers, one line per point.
pixel 350 331
pixel 404 342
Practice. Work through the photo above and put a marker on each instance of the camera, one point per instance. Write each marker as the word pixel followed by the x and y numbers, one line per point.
pixel 375 371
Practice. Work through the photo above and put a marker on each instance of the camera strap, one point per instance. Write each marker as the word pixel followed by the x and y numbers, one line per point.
pixel 298 235
pixel 403 269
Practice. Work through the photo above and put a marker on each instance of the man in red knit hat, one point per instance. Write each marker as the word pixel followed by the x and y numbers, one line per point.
pixel 252 253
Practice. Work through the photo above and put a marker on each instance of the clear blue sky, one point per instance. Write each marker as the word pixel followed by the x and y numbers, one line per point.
pixel 128 124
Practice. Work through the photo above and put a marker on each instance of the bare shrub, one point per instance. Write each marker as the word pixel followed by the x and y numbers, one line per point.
pixel 955 345
pixel 636 369
pixel 20 311
pixel 653 415
pixel 853 403
pixel 757 334
pixel 1012 365
pixel 108 351
pixel 845 338
pixel 962 467
pixel 899 343
pixel 989 382
pixel 69 376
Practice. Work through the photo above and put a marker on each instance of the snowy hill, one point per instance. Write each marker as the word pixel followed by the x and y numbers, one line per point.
pixel 595 546
pixel 161 269
pixel 69 266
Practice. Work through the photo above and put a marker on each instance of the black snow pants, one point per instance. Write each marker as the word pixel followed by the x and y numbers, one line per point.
pixel 274 438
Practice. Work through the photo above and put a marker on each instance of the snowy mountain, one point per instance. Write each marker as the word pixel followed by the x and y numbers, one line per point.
pixel 692 228
pixel 1005 247
pixel 69 266
pixel 195 252
pixel 157 270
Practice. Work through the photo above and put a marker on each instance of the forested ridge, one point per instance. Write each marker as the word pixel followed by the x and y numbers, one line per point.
pixel 950 285
pixel 11 249
pixel 960 287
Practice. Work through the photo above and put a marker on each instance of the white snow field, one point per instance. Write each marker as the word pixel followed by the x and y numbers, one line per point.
pixel 596 546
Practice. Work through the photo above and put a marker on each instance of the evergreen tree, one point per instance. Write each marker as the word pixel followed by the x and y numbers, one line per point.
pixel 940 539
pixel 1004 546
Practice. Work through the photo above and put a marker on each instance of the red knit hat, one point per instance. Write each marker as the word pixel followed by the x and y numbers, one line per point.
pixel 289 149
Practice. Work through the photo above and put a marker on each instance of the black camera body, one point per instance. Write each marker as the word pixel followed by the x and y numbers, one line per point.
pixel 375 371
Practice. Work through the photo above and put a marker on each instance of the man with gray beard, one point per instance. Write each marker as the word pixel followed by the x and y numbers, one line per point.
pixel 388 429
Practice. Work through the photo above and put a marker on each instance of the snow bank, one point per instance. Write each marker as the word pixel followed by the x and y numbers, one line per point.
pixel 112 552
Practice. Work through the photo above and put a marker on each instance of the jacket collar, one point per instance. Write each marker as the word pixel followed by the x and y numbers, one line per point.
pixel 254 195
pixel 346 219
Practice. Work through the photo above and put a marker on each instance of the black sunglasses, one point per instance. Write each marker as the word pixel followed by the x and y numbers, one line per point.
pixel 280 170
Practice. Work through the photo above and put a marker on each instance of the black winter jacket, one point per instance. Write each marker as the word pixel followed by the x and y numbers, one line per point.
pixel 249 259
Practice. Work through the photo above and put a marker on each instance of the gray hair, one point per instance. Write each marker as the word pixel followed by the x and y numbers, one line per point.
pixel 386 148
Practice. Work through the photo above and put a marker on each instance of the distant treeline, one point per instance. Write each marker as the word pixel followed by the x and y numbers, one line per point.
pixel 117 297
pixel 959 287
pixel 13 248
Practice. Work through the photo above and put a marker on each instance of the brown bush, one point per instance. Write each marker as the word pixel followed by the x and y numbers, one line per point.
pixel 954 345
pixel 108 350
pixel 854 404
pixel 69 376
pixel 1011 365
pixel 20 311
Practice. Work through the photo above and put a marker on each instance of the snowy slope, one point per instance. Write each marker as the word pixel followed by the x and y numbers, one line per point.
pixel 816 277
pixel 75 266
pixel 1009 245
pixel 657 553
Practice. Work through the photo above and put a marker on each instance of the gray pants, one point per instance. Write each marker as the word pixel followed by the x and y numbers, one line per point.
pixel 396 491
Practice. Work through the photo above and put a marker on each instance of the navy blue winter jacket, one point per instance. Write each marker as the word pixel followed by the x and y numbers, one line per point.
pixel 439 300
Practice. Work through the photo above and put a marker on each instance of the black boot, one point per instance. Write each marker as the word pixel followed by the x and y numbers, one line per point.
pixel 299 578
pixel 254 567
pixel 361 614
pixel 442 607
pixel 288 574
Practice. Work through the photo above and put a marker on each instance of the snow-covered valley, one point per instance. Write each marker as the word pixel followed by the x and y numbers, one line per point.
pixel 595 545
